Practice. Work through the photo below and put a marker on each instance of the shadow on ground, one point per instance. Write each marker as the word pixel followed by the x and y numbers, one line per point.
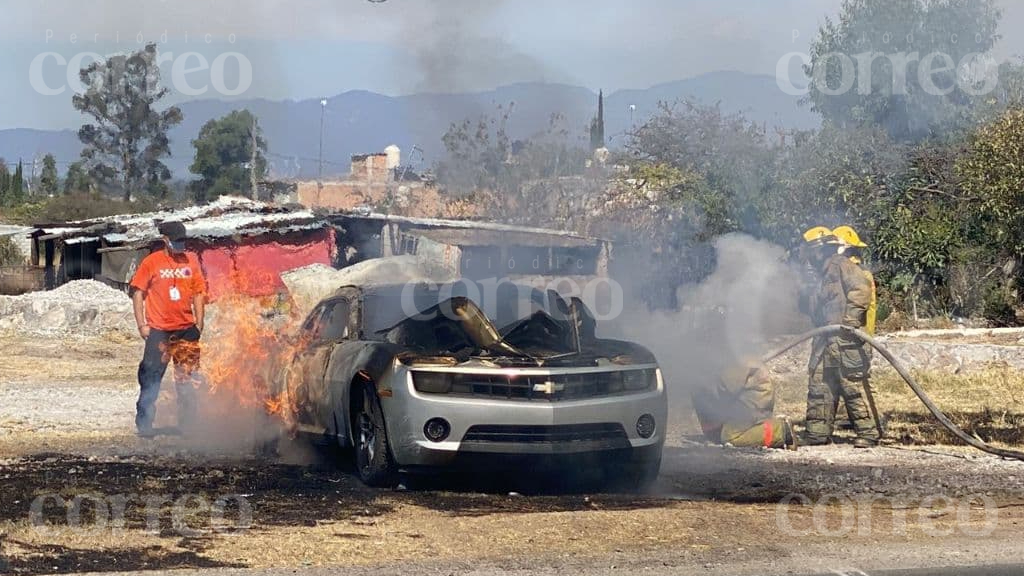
pixel 285 495
pixel 43 490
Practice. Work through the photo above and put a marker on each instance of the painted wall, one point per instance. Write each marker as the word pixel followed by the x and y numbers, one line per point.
pixel 254 268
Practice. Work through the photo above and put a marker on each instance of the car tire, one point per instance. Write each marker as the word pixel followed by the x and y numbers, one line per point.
pixel 374 463
pixel 646 474
pixel 634 476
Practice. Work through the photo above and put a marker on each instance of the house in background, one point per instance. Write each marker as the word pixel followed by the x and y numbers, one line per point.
pixel 242 245
pixel 375 182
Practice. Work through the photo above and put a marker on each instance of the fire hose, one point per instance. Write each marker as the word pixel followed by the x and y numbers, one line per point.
pixel 836 330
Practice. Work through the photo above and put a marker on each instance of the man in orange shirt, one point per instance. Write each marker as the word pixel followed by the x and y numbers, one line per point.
pixel 169 298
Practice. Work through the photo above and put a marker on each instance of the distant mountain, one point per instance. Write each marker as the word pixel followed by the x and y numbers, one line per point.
pixel 26 144
pixel 360 121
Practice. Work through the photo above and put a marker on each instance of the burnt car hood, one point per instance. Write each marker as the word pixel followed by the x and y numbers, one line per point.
pixel 460 312
pixel 539 340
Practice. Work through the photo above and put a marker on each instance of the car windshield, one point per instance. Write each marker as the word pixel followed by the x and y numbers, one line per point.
pixel 504 304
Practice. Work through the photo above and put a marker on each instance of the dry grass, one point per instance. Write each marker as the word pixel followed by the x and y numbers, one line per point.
pixel 989 404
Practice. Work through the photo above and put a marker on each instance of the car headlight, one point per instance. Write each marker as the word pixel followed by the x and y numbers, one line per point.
pixel 637 380
pixel 432 382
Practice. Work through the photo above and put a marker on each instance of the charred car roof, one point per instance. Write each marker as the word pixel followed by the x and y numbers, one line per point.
pixel 385 305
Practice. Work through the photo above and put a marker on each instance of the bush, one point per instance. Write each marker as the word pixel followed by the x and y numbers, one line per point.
pixel 10 254
pixel 74 207
pixel 998 308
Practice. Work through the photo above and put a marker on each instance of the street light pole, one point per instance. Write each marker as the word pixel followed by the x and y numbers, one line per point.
pixel 320 166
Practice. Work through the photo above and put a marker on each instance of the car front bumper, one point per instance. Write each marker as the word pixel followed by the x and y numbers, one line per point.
pixel 496 427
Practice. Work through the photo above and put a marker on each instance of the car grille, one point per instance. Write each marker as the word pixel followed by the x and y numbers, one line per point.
pixel 543 388
pixel 610 434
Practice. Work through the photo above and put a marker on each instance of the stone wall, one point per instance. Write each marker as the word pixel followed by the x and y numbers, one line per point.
pixel 942 356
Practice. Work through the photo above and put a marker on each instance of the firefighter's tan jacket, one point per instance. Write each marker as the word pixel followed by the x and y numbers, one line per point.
pixel 844 297
pixel 737 408
pixel 845 294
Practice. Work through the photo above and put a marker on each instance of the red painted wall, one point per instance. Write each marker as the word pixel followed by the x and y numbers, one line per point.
pixel 254 268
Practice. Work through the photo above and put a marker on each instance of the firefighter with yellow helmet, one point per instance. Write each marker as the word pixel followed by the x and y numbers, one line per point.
pixel 839 365
pixel 853 247
pixel 812 254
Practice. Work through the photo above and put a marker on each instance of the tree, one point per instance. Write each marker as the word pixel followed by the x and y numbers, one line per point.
pixel 993 176
pixel 76 179
pixel 224 156
pixel 128 138
pixel 912 67
pixel 16 189
pixel 515 179
pixel 48 181
pixel 479 154
pixel 597 125
pixel 727 152
pixel 5 182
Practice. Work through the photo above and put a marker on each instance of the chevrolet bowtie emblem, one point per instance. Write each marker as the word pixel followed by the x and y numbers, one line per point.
pixel 548 387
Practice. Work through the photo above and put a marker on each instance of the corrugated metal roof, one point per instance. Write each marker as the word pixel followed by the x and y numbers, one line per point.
pixel 13 230
pixel 226 216
pixel 487 237
pixel 463 224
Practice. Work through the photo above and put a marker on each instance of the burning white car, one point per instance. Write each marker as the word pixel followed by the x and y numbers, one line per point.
pixel 416 376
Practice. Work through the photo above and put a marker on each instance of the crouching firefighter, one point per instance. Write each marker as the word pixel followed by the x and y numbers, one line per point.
pixel 840 365
pixel 738 409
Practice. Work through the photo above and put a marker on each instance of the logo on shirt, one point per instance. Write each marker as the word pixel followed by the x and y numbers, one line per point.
pixel 176 273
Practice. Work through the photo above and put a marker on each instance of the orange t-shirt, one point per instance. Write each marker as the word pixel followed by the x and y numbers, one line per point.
pixel 169 283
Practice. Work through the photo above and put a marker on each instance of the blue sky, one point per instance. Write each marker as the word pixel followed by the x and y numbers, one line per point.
pixel 309 48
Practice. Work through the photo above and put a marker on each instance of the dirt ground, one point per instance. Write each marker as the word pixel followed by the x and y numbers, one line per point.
pixel 66 412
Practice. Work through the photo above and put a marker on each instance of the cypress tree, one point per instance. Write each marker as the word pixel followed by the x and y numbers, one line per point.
pixel 5 184
pixel 16 193
pixel 597 124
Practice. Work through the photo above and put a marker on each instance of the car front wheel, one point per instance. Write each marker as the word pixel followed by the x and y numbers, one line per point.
pixel 633 477
pixel 374 463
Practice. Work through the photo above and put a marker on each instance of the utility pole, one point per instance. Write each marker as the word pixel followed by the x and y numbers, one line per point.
pixel 252 159
pixel 320 163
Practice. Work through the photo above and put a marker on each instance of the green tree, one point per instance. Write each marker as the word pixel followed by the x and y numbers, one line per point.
pixel 128 137
pixel 77 179
pixel 479 155
pixel 224 154
pixel 597 124
pixel 10 253
pixel 830 177
pixel 993 177
pixel 887 48
pixel 15 194
pixel 727 152
pixel 514 179
pixel 48 181
pixel 5 182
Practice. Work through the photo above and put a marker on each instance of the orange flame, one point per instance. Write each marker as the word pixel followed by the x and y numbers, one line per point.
pixel 246 343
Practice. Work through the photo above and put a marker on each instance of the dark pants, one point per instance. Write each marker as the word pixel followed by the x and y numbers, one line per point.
pixel 181 346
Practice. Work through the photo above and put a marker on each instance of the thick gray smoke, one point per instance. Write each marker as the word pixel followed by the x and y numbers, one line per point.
pixel 461 47
pixel 454 53
pixel 749 299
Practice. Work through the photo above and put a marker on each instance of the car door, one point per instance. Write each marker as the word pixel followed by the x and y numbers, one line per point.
pixel 308 384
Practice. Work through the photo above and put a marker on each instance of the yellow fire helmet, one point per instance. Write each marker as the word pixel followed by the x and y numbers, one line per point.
pixel 848 236
pixel 817 234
